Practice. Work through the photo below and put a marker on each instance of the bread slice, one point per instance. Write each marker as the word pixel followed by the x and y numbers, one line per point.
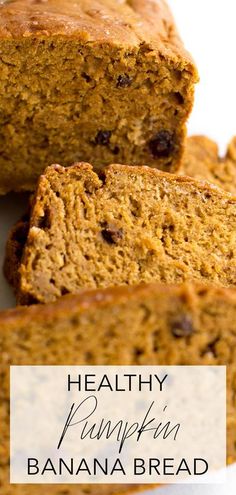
pixel 108 80
pixel 201 160
pixel 143 325
pixel 134 224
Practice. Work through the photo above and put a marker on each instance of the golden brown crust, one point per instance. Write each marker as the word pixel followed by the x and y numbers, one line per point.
pixel 134 170
pixel 187 324
pixel 123 89
pixel 107 298
pixel 133 22
pixel 81 302
pixel 202 185
pixel 231 150
pixel 201 161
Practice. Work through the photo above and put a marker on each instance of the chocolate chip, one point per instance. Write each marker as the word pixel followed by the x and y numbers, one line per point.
pixel 138 352
pixel 116 150
pixel 112 234
pixel 182 326
pixel 123 81
pixel 103 138
pixel 162 144
pixel 86 77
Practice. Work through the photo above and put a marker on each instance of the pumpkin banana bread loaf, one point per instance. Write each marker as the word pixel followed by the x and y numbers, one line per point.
pixel 132 225
pixel 164 325
pixel 101 79
pixel 201 160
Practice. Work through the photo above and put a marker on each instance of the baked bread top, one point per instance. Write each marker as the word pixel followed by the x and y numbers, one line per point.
pixel 201 160
pixel 146 325
pixel 126 22
pixel 189 300
pixel 101 80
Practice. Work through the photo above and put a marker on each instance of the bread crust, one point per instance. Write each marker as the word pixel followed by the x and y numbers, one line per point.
pixel 133 22
pixel 99 298
pixel 92 188
pixel 187 324
pixel 202 161
pixel 97 79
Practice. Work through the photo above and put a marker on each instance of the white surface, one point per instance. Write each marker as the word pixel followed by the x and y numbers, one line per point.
pixel 208 29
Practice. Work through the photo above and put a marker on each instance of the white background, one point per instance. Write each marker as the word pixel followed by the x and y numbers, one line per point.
pixel 208 28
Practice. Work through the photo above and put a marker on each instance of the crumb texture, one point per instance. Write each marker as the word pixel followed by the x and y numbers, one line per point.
pixel 91 232
pixel 201 160
pixel 90 80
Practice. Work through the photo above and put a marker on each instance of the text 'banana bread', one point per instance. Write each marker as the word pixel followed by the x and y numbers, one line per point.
pixel 145 325
pixel 134 224
pixel 90 79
